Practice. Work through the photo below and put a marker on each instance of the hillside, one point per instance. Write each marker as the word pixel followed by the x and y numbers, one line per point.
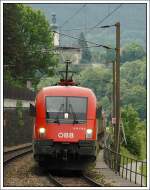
pixel 131 16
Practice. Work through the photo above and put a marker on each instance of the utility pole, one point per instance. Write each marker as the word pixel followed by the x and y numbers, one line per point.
pixel 114 105
pixel 116 95
pixel 117 91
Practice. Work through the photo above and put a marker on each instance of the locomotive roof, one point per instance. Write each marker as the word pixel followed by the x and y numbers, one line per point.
pixel 66 91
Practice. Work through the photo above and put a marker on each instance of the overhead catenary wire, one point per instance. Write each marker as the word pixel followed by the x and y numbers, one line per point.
pixel 95 45
pixel 96 26
pixel 66 21
pixel 109 14
pixel 76 38
pixel 81 28
pixel 53 50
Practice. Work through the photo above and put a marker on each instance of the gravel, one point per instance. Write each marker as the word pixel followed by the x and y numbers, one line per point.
pixel 24 172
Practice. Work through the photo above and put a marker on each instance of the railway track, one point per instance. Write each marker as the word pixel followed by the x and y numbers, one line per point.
pixel 70 181
pixel 17 152
pixel 58 180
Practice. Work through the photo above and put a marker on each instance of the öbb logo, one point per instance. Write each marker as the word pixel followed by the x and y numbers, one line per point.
pixel 65 135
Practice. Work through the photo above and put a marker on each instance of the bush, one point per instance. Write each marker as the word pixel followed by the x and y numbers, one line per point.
pixel 134 130
pixel 134 144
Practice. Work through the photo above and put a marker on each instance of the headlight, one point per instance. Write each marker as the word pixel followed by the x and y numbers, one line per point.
pixel 89 133
pixel 42 131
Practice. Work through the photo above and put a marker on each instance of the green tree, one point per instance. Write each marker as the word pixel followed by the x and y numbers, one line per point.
pixel 132 51
pixel 133 86
pixel 136 96
pixel 96 57
pixel 98 79
pixel 13 47
pixel 49 81
pixel 134 72
pixel 33 34
pixel 131 121
pixel 38 36
pixel 103 57
pixel 108 56
pixel 86 54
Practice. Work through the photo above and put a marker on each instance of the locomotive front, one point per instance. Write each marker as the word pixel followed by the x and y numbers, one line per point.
pixel 65 130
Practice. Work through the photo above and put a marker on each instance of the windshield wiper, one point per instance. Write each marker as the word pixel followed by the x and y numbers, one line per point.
pixel 74 114
pixel 57 116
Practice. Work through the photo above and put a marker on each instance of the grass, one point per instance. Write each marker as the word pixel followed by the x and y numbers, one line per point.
pixel 97 176
pixel 143 151
pixel 145 170
pixel 144 173
pixel 126 153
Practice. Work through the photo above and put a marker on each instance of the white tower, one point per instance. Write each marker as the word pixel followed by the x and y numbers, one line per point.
pixel 55 30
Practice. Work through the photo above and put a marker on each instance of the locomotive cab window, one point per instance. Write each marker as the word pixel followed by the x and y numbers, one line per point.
pixel 66 109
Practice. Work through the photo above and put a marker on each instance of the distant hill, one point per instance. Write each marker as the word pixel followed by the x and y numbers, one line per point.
pixel 131 16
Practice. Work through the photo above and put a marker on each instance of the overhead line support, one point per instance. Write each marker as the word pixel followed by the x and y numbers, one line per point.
pixel 117 92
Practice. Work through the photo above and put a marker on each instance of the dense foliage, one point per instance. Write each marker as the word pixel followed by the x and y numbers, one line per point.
pixel 13 39
pixel 26 34
pixel 86 54
pixel 135 131
pixel 130 52
pixel 133 86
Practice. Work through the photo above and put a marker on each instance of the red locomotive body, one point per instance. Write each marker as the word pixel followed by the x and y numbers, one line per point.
pixel 66 129
pixel 75 102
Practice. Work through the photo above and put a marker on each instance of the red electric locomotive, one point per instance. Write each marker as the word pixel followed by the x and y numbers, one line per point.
pixel 67 126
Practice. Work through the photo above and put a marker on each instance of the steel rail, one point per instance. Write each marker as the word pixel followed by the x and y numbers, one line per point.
pixel 9 150
pixel 55 181
pixel 12 154
pixel 91 181
pixel 88 180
